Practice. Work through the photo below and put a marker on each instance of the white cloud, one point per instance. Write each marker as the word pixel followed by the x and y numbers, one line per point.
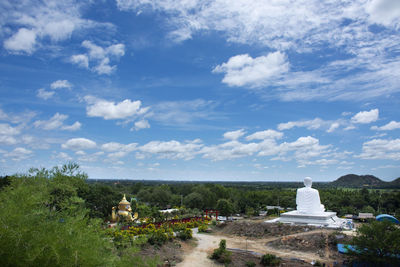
pixel 79 144
pixel 60 84
pixel 80 60
pixel 142 124
pixel 19 154
pixel 385 12
pixel 296 27
pixel 387 127
pixel 267 134
pixel 57 122
pixel 110 110
pixel 7 140
pixel 24 40
pixel 42 93
pixel 6 129
pixel 172 149
pixel 333 127
pixel 234 135
pixel 365 117
pixel 243 70
pixel 381 149
pixel 37 21
pixel 99 56
pixel 74 127
pixel 229 150
pixel 309 124
pixel 62 156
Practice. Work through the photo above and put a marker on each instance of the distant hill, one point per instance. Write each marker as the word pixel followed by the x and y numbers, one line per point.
pixel 354 180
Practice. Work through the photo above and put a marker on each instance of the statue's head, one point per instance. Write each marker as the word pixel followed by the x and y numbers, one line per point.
pixel 308 181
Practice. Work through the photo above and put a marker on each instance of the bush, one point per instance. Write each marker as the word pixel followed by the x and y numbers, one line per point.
pixel 221 254
pixel 270 260
pixel 185 234
pixel 158 237
pixel 250 264
pixel 203 228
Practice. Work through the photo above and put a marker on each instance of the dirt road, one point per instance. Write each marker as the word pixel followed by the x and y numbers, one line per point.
pixel 208 242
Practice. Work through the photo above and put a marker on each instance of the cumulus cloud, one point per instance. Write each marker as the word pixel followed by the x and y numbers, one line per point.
pixel 333 127
pixel 301 27
pixel 267 134
pixel 387 127
pixel 365 117
pixel 44 94
pixel 60 84
pixel 110 110
pixel 172 149
pixel 79 144
pixel 384 12
pixel 142 124
pixel 19 154
pixel 381 149
pixel 99 56
pixel 8 133
pixel 243 70
pixel 309 124
pixel 81 60
pixel 24 40
pixel 234 135
pixel 57 122
pixel 34 22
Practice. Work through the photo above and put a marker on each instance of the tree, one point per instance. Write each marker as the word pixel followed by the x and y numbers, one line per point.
pixel 193 200
pixel 377 242
pixel 225 207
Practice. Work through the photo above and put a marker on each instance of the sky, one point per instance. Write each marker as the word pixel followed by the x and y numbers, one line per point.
pixel 243 90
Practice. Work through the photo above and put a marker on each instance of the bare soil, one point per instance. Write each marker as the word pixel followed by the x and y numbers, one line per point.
pixel 260 229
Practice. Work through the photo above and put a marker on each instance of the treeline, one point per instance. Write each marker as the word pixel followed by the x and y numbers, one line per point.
pixel 248 198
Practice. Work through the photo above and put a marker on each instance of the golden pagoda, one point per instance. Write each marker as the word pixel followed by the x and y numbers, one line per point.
pixel 124 211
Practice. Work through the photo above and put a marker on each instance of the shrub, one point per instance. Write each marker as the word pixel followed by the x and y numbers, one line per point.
pixel 185 234
pixel 158 237
pixel 221 254
pixel 203 228
pixel 270 260
pixel 250 264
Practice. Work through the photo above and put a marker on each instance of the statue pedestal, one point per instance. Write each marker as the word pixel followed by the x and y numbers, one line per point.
pixel 325 219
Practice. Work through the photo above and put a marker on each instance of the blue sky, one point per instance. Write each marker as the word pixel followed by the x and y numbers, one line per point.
pixel 201 90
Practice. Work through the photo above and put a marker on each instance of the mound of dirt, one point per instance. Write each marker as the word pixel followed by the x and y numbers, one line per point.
pixel 262 229
pixel 306 243
pixel 170 253
pixel 241 258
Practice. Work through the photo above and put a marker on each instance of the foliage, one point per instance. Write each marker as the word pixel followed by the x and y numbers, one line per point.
pixel 270 260
pixel 221 254
pixel 250 264
pixel 377 242
pixel 44 222
pixel 185 234
pixel 225 207
pixel 203 228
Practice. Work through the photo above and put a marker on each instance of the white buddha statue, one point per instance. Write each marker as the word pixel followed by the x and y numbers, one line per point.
pixel 307 199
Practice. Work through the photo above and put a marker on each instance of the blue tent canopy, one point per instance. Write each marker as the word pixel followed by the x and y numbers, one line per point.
pixel 387 217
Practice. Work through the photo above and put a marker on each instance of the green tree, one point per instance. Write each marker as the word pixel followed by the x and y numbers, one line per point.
pixel 377 242
pixel 193 200
pixel 225 207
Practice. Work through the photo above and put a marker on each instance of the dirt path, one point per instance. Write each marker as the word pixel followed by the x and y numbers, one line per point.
pixel 198 257
pixel 208 242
